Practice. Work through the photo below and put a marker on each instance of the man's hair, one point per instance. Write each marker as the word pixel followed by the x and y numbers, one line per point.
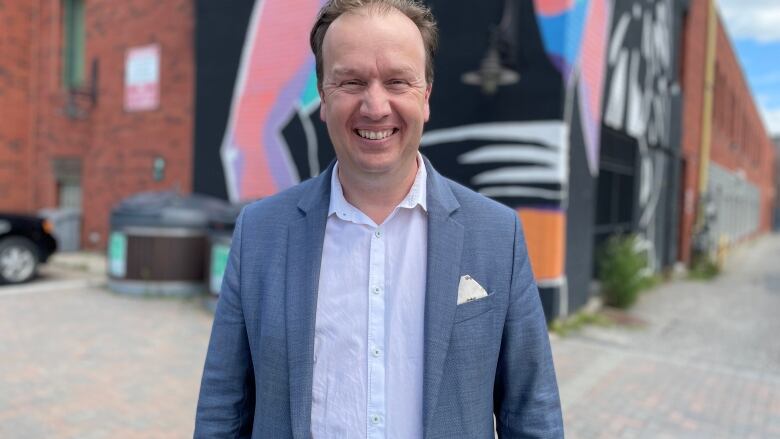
pixel 420 15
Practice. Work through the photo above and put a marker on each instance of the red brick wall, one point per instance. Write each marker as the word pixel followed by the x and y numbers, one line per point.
pixel 16 84
pixel 739 139
pixel 740 142
pixel 116 148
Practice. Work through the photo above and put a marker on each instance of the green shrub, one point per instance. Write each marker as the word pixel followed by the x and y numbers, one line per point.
pixel 621 271
pixel 703 267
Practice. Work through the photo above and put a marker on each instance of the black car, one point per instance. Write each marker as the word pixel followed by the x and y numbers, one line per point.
pixel 25 242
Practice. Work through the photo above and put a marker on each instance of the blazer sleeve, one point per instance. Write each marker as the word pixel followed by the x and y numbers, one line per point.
pixel 226 401
pixel 527 404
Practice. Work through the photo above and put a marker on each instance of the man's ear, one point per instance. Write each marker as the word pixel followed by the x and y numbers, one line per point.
pixel 427 108
pixel 322 103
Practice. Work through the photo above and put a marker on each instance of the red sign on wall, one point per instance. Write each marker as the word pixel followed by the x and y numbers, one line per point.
pixel 142 78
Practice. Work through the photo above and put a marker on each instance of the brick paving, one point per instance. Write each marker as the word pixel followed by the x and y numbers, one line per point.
pixel 81 362
pixel 77 361
pixel 705 363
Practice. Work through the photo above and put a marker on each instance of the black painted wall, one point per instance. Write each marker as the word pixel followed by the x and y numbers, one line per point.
pixel 220 29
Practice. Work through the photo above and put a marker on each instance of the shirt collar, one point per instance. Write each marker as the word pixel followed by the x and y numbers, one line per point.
pixel 343 209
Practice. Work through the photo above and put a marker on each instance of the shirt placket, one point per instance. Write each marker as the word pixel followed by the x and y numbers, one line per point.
pixel 376 336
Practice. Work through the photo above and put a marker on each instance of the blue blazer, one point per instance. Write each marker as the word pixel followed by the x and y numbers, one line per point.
pixel 482 357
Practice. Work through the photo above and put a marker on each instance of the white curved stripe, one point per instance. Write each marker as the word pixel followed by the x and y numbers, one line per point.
pixel 519 174
pixel 510 153
pixel 229 153
pixel 521 191
pixel 553 133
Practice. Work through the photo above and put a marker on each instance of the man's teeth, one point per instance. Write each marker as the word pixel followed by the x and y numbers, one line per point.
pixel 374 135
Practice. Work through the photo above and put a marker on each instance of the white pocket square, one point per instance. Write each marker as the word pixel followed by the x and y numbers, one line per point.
pixel 469 289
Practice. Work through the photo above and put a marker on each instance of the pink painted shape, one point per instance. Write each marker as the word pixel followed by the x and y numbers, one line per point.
pixel 280 48
pixel 552 7
pixel 591 81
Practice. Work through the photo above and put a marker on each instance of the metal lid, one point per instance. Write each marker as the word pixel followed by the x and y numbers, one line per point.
pixel 171 209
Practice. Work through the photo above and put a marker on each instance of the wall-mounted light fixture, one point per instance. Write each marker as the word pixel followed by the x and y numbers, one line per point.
pixel 158 169
pixel 81 99
pixel 496 67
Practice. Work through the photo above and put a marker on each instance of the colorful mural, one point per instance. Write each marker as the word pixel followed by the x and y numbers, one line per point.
pixel 514 145
pixel 522 164
pixel 574 33
pixel 276 83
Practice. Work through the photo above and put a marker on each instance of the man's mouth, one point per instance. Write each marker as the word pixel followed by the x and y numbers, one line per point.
pixel 376 135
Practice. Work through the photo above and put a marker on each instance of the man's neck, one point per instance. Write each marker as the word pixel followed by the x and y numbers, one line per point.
pixel 377 196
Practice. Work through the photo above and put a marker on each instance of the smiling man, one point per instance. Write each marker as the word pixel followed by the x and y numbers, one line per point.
pixel 379 299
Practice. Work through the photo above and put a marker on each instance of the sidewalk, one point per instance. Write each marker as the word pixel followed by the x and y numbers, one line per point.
pixel 706 363
pixel 93 263
pixel 79 361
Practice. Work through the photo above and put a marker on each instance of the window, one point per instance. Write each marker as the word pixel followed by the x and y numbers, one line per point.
pixel 73 43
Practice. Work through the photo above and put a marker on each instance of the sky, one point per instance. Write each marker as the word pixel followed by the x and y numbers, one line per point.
pixel 754 28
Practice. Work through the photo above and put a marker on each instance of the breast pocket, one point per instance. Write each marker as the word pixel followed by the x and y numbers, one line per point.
pixel 475 308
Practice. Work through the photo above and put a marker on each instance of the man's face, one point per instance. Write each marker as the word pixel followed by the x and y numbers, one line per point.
pixel 374 92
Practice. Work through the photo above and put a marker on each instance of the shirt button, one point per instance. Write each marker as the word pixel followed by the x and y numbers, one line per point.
pixel 375 419
pixel 376 352
pixel 378 233
pixel 376 290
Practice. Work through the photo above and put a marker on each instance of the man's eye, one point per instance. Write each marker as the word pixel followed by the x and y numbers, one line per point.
pixel 397 84
pixel 351 83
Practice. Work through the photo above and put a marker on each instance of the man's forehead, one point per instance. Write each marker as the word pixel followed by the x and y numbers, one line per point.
pixel 369 13
pixel 340 70
pixel 356 44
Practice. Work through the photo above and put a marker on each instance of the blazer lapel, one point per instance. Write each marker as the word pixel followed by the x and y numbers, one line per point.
pixel 445 245
pixel 304 254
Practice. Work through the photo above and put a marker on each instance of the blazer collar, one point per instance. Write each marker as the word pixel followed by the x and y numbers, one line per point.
pixel 318 194
pixel 439 192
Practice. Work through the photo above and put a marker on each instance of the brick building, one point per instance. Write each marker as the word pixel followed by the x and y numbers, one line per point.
pixel 102 99
pixel 728 155
pixel 68 138
pixel 776 224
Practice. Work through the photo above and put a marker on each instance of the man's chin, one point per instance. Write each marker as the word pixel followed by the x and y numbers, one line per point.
pixel 378 168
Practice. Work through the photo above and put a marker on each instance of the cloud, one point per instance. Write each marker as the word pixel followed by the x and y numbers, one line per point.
pixel 769 106
pixel 757 20
pixel 771 120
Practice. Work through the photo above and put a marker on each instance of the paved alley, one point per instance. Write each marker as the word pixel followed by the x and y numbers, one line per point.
pixel 81 362
pixel 704 362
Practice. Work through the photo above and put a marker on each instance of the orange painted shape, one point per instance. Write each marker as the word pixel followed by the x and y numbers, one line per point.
pixel 545 236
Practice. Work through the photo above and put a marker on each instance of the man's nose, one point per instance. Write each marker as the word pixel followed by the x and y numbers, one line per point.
pixel 376 103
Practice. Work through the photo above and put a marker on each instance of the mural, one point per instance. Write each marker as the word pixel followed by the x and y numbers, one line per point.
pixel 513 145
pixel 276 83
pixel 522 164
pixel 574 35
pixel 640 92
